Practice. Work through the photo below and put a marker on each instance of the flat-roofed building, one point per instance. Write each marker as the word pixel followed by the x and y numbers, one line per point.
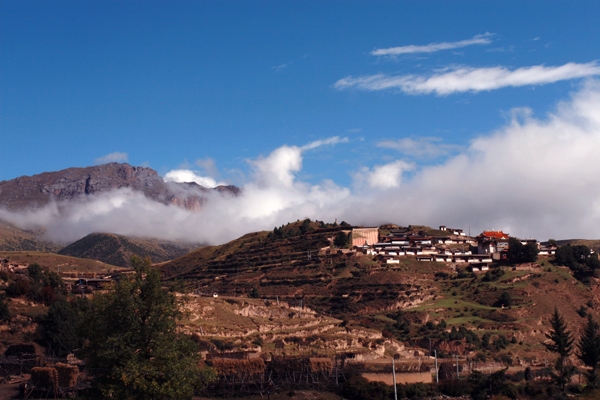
pixel 364 236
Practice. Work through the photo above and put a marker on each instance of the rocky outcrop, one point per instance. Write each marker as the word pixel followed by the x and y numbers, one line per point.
pixel 69 184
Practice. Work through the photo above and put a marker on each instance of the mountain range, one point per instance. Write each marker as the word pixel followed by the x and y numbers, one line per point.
pixel 27 192
pixel 32 192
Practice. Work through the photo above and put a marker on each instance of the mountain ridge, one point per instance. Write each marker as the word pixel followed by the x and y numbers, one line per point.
pixel 26 192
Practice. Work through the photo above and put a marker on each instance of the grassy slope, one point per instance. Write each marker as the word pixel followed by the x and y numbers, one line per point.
pixel 66 264
pixel 117 249
pixel 13 238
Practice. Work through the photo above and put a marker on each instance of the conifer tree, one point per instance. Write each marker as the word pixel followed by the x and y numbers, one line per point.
pixel 561 343
pixel 589 349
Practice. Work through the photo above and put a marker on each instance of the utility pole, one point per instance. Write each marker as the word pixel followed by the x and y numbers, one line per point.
pixel 394 378
pixel 457 373
pixel 437 377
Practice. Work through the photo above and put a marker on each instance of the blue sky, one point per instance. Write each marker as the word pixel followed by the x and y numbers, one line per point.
pixel 215 87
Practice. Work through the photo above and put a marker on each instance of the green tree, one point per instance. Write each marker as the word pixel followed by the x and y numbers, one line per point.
pixel 44 285
pixel 341 240
pixel 133 344
pixel 305 227
pixel 580 259
pixel 35 272
pixel 520 253
pixel 62 326
pixel 505 300
pixel 561 343
pixel 588 349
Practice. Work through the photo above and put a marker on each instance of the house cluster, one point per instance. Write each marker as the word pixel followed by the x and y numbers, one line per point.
pixel 455 247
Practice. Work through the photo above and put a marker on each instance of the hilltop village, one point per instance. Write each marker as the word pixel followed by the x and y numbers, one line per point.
pixel 445 245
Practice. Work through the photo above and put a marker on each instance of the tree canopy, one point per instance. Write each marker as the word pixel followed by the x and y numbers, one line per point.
pixel 341 240
pixel 62 326
pixel 133 346
pixel 580 259
pixel 521 253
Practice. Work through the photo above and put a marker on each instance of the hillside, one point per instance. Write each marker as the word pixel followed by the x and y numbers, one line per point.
pixel 15 239
pixel 117 250
pixel 289 293
pixel 66 265
pixel 592 244
pixel 412 301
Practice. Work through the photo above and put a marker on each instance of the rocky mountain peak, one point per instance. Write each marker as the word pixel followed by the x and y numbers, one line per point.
pixel 72 183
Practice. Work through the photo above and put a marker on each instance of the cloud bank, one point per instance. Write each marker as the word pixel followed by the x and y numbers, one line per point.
pixel 469 79
pixel 433 47
pixel 533 177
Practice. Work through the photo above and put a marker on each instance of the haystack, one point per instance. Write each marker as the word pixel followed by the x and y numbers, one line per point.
pixel 225 366
pixel 44 377
pixel 320 365
pixel 67 374
pixel 283 365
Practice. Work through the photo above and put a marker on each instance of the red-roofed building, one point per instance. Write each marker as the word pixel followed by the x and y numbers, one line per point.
pixel 490 242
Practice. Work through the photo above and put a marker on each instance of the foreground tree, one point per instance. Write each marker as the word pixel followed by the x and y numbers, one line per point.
pixel 561 343
pixel 62 326
pixel 133 345
pixel 588 349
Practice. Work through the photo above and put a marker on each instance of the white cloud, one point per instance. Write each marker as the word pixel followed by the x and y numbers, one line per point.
pixel 325 142
pixel 279 167
pixel 117 156
pixel 469 79
pixel 273 197
pixel 433 47
pixel 186 175
pixel 533 177
pixel 279 67
pixel 385 176
pixel 420 147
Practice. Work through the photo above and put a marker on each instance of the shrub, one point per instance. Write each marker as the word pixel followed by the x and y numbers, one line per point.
pixel 359 388
pixel 4 311
pixel 505 300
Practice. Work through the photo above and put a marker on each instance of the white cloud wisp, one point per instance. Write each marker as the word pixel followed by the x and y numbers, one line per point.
pixel 469 79
pixel 433 47
pixel 421 147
